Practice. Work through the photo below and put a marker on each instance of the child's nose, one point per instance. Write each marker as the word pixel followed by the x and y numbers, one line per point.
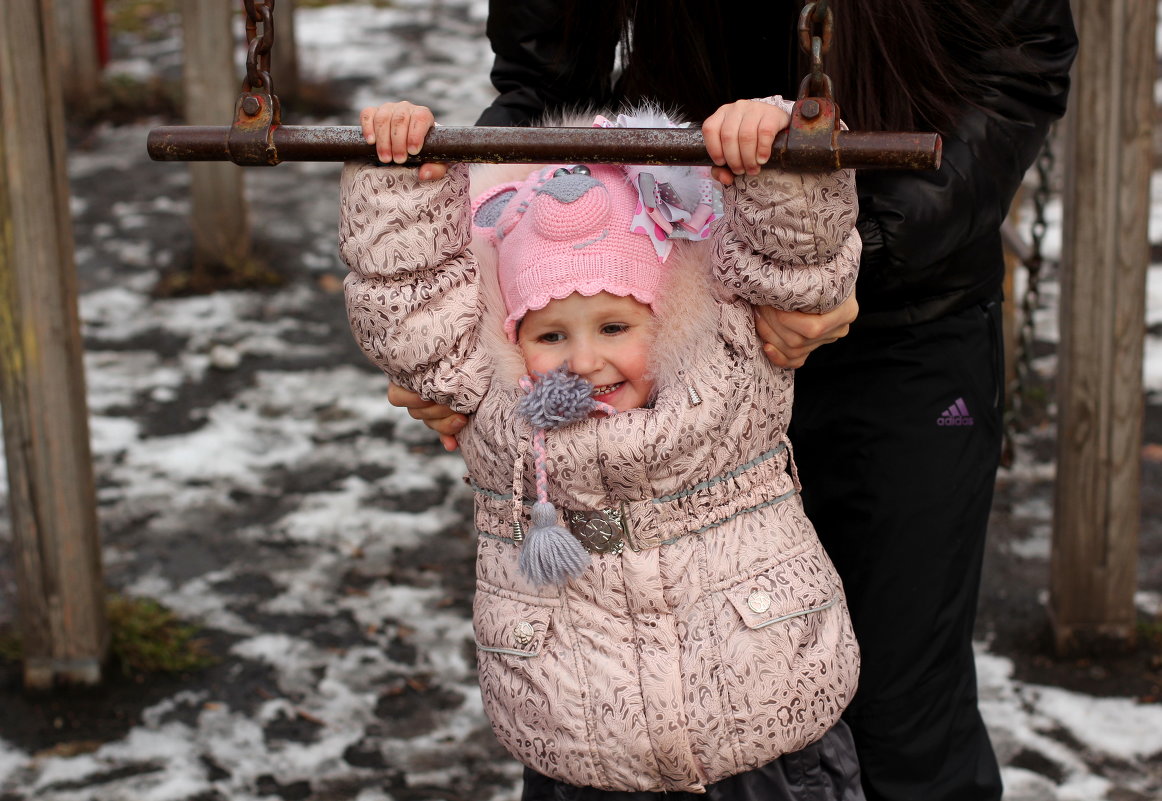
pixel 584 359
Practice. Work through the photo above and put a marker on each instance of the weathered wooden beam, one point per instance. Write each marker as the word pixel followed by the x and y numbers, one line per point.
pixel 284 55
pixel 42 386
pixel 79 53
pixel 1093 567
pixel 219 214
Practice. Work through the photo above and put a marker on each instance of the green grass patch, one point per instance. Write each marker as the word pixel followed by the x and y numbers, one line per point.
pixel 1150 630
pixel 145 637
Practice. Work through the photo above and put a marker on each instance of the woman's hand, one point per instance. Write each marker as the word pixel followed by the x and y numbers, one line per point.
pixel 437 417
pixel 740 135
pixel 398 129
pixel 790 336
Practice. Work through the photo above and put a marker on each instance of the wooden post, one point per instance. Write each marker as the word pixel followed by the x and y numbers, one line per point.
pixel 42 386
pixel 1093 567
pixel 211 87
pixel 284 54
pixel 80 61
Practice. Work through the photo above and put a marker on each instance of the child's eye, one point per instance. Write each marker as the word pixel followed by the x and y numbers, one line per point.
pixel 614 328
pixel 551 338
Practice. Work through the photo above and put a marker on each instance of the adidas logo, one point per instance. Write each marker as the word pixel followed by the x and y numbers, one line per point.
pixel 955 415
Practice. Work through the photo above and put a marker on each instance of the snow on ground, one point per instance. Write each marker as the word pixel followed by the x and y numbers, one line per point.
pixel 252 477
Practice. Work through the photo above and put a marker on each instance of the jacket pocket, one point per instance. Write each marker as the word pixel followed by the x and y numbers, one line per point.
pixel 789 657
pixel 530 683
pixel 507 625
pixel 803 584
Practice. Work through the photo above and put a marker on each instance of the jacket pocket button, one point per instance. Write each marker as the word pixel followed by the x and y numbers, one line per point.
pixel 759 602
pixel 523 632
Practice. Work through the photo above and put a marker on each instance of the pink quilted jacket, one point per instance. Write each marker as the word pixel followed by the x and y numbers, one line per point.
pixel 710 633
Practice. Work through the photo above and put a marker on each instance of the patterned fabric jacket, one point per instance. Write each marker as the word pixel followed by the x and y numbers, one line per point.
pixel 710 634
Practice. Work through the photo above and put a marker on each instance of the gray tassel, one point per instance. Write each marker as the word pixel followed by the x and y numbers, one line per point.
pixel 550 553
pixel 558 398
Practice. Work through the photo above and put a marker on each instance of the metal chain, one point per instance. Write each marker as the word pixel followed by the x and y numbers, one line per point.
pixel 258 52
pixel 1034 261
pixel 816 22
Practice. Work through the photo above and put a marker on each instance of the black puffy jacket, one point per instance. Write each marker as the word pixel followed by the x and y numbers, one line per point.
pixel 931 239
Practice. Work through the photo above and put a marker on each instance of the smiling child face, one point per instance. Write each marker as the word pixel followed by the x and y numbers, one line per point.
pixel 604 338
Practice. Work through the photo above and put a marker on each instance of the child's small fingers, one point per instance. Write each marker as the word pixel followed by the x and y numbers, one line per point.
pixel 367 124
pixel 432 171
pixel 399 126
pixel 727 135
pixel 765 142
pixel 773 121
pixel 723 175
pixel 756 136
pixel 420 123
pixel 381 128
pixel 712 137
pixel 732 147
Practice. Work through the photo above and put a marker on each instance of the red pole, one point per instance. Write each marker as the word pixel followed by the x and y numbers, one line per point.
pixel 101 31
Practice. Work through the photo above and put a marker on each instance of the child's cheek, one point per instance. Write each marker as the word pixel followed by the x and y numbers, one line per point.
pixel 538 359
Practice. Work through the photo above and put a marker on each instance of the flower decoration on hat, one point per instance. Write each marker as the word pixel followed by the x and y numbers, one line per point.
pixel 678 202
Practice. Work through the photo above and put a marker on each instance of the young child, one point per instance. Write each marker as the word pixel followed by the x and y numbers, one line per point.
pixel 654 612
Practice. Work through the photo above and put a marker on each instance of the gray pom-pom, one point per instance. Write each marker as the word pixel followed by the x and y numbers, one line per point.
pixel 557 398
pixel 550 553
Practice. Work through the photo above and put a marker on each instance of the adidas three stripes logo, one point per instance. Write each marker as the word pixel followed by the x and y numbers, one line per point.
pixel 955 415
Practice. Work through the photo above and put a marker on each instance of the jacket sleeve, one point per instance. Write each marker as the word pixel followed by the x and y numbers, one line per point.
pixel 531 73
pixel 412 291
pixel 911 220
pixel 788 239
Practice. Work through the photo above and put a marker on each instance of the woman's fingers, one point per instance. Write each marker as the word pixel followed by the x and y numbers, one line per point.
pixel 435 416
pixel 789 337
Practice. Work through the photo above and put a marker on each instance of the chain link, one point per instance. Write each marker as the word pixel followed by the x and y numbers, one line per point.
pixel 1034 261
pixel 259 13
pixel 816 23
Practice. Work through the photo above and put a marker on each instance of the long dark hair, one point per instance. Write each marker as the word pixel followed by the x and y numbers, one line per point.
pixel 907 64
pixel 894 64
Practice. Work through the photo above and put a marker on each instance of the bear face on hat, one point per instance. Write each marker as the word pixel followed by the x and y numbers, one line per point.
pixel 564 230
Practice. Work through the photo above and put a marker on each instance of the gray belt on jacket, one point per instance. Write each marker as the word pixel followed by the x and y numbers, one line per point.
pixel 761 482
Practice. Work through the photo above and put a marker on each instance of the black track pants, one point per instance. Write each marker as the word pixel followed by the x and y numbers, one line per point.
pixel 897 435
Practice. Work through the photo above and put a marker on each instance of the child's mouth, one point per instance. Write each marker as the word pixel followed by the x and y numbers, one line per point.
pixel 606 389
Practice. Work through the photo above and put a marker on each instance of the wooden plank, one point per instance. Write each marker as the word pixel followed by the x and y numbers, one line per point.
pixel 1093 568
pixel 211 86
pixel 284 54
pixel 42 386
pixel 80 64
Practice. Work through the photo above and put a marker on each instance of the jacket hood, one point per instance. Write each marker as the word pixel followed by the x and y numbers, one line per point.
pixel 685 313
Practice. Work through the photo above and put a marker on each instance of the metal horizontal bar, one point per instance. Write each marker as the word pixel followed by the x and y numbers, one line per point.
pixel 854 149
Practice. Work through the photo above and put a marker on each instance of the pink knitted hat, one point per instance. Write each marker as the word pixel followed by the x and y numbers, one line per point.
pixel 566 230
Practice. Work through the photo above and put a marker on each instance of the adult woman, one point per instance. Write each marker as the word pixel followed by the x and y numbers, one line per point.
pixel 896 425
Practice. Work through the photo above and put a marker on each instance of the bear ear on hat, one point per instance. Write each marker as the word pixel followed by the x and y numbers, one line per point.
pixel 488 211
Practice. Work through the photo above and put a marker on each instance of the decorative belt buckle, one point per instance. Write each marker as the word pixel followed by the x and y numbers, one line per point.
pixel 600 531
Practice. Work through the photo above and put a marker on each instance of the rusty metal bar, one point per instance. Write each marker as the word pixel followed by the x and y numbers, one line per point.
pixel 854 149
